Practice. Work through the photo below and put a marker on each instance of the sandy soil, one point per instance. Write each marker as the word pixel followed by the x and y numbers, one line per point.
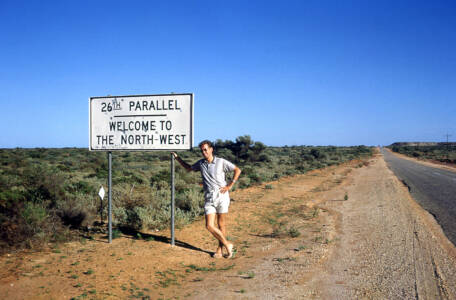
pixel 390 247
pixel 340 233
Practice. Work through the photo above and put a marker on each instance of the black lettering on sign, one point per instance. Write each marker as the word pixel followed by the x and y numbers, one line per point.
pixel 105 140
pixel 163 139
pixel 105 107
pixel 148 105
pixel 150 139
pixel 172 139
pixel 137 139
pixel 133 125
pixel 166 125
pixel 179 139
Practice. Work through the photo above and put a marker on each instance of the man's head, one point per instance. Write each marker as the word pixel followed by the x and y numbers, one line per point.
pixel 206 149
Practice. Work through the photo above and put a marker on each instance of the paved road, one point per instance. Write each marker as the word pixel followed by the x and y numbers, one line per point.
pixel 433 188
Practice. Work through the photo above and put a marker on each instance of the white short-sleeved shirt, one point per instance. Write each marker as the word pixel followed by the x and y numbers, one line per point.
pixel 213 173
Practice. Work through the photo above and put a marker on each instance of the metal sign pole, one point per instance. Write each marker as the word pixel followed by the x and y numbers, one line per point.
pixel 110 196
pixel 172 200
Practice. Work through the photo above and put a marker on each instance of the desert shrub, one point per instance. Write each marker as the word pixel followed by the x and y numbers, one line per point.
pixel 55 189
pixel 129 177
pixel 181 187
pixel 10 198
pixel 76 212
pixel 141 218
pixel 293 232
pixel 252 174
pixel 302 168
pixel 101 172
pixel 34 215
pixel 81 187
pixel 307 157
pixel 43 185
pixel 164 156
pixel 154 212
pixel 158 180
pixel 255 178
pixel 243 150
pixel 28 225
pixel 288 172
pixel 191 201
pixel 441 152
pixel 315 153
pixel 226 154
pixel 244 182
pixel 189 178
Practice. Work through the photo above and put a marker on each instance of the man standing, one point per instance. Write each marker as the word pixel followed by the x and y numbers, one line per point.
pixel 216 196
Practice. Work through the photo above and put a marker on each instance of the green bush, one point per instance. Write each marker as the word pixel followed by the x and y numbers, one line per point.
pixel 440 152
pixel 34 215
pixel 244 182
pixel 157 180
pixel 43 192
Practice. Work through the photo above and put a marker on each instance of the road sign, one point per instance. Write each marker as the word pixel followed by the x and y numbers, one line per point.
pixel 141 122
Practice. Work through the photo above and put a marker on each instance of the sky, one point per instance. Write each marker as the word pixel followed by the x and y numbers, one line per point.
pixel 284 72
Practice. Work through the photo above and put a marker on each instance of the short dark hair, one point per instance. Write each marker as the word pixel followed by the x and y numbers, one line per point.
pixel 205 142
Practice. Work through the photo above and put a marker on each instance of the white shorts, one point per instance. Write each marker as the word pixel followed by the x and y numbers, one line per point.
pixel 216 202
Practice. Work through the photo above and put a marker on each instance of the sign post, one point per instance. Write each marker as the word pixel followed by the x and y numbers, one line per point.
pixel 110 197
pixel 172 200
pixel 140 123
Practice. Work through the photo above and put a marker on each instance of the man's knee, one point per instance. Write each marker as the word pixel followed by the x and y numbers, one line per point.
pixel 210 227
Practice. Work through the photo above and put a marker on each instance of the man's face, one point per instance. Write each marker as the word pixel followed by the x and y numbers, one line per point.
pixel 206 151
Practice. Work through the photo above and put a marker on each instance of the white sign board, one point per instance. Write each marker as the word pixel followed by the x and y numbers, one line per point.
pixel 101 193
pixel 141 122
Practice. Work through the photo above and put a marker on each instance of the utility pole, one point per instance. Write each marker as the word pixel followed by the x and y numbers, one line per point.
pixel 448 144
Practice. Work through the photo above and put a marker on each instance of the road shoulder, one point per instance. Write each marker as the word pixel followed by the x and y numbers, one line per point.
pixel 389 246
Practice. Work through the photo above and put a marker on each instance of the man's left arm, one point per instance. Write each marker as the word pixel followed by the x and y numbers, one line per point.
pixel 237 173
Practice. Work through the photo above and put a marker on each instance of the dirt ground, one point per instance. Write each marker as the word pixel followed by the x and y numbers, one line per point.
pixel 344 232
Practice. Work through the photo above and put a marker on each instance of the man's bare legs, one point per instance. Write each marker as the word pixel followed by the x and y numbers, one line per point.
pixel 218 233
pixel 221 225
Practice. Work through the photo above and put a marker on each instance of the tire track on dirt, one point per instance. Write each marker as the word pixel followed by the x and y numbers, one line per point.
pixel 389 248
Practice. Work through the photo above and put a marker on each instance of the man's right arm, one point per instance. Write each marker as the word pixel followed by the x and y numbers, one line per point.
pixel 183 163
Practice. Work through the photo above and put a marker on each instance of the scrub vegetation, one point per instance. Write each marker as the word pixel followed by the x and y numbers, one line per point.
pixel 442 152
pixel 51 195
